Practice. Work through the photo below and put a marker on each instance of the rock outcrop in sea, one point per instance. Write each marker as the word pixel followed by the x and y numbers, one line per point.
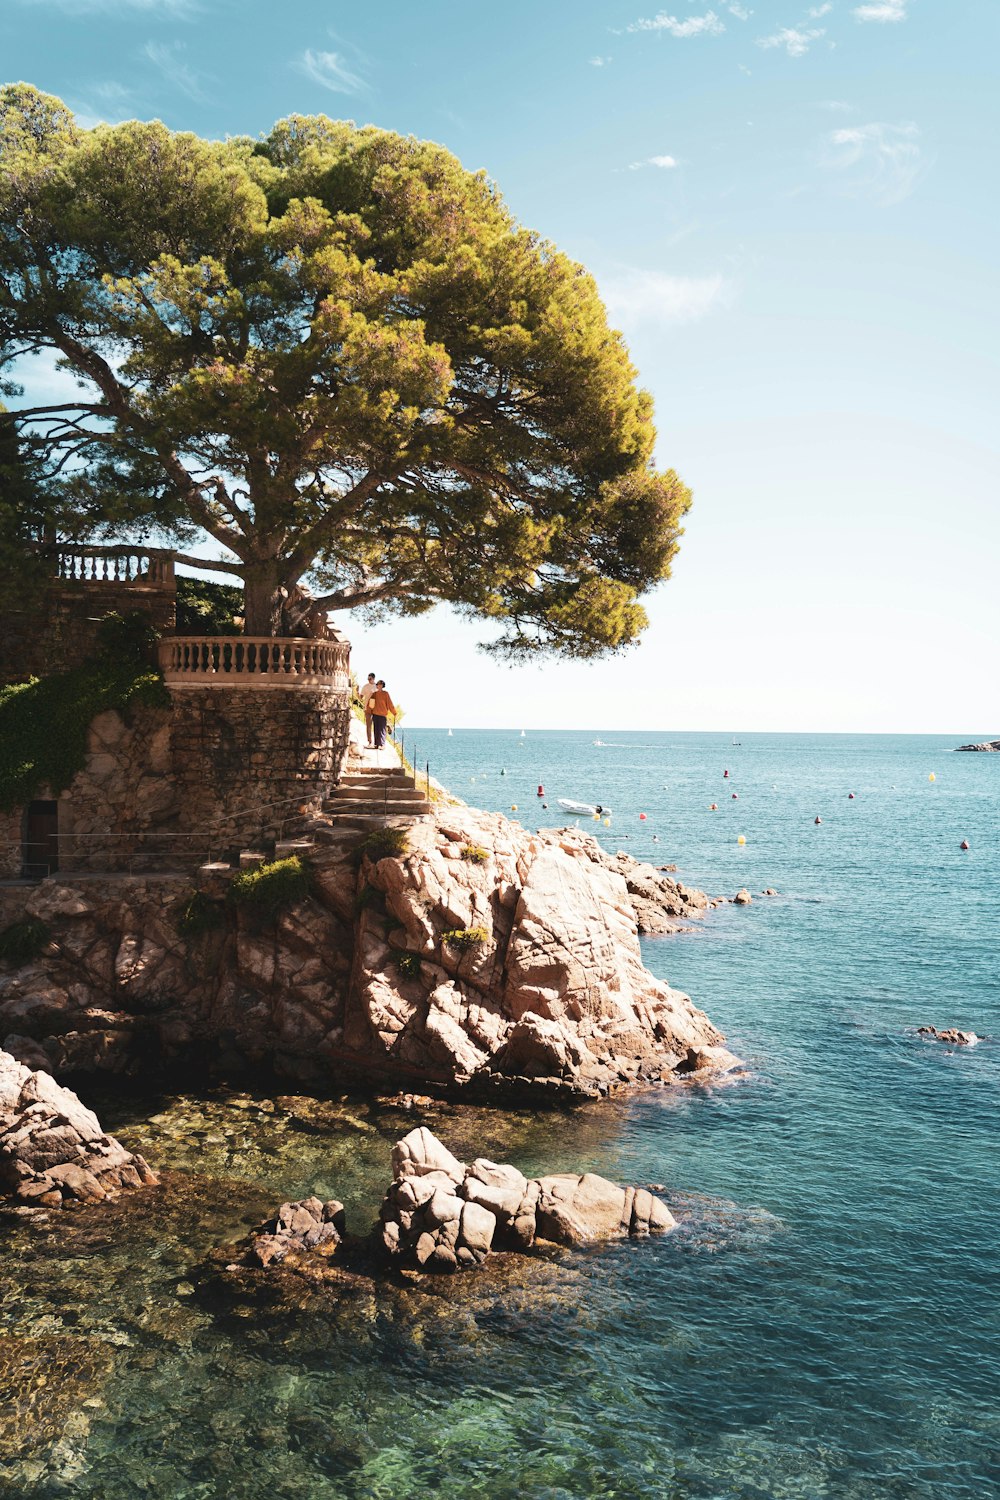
pixel 53 1149
pixel 983 745
pixel 440 1214
pixel 474 954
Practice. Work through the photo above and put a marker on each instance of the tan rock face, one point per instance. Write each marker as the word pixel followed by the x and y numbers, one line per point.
pixel 53 1148
pixel 522 969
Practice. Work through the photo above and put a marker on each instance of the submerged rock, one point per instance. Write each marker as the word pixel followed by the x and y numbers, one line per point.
pixel 52 1148
pixel 307 1225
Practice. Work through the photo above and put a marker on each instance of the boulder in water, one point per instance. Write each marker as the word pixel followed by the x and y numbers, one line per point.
pixel 952 1036
pixel 52 1148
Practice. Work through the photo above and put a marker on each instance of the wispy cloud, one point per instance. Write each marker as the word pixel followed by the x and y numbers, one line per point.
pixel 169 9
pixel 881 10
pixel 706 25
pixel 795 41
pixel 740 12
pixel 330 71
pixel 879 161
pixel 819 10
pixel 599 62
pixel 166 56
pixel 104 104
pixel 644 297
pixel 664 162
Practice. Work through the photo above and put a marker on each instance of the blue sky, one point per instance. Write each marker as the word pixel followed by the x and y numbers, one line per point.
pixel 791 212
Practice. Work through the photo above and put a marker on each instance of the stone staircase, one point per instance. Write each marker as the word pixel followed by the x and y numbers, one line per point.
pixel 366 791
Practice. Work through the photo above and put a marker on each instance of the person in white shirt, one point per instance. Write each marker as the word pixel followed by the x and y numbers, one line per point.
pixel 365 695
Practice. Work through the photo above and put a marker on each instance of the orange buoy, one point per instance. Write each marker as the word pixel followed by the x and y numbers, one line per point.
pixel 725 774
pixel 850 796
pixel 736 796
pixel 964 844
pixel 541 790
pixel 817 820
pixel 642 817
pixel 714 807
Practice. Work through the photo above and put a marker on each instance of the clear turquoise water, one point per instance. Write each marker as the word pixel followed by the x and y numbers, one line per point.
pixel 824 1323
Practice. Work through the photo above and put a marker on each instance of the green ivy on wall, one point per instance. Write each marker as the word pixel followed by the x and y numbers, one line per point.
pixel 44 723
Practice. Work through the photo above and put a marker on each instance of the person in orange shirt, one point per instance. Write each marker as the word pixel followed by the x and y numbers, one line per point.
pixel 380 706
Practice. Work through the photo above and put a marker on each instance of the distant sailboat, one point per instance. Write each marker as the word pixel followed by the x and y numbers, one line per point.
pixel 449 731
pixel 522 734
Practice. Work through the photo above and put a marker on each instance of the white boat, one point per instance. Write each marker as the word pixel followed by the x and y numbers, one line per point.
pixel 582 809
pixel 449 731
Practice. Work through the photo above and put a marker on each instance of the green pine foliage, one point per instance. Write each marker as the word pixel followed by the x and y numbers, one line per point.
pixel 339 353
pixel 207 608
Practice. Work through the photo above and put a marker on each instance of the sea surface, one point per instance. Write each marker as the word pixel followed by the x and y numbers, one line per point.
pixel 825 1321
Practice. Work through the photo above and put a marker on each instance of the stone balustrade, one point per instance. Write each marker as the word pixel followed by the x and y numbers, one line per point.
pixel 135 566
pixel 248 661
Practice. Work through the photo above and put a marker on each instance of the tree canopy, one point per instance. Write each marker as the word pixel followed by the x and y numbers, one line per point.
pixel 336 352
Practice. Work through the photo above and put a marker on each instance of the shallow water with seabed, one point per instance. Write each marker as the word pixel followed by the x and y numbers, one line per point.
pixel 824 1321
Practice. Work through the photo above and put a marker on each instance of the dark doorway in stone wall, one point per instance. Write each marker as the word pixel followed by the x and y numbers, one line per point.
pixel 40 850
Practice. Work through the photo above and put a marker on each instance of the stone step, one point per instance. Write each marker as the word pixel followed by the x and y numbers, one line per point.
pixel 377 780
pixel 365 768
pixel 411 807
pixel 389 791
pixel 365 823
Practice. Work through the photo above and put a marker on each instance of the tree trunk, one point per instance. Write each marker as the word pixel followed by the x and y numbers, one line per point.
pixel 263 599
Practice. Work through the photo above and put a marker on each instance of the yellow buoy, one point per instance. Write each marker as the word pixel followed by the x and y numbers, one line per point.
pixel 513 807
pixel 607 822
pixel 741 839
pixel 932 777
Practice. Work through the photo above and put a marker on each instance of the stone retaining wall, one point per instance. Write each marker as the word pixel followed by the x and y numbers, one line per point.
pixel 219 770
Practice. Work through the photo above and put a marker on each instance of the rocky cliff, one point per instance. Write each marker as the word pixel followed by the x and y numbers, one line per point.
pixel 477 955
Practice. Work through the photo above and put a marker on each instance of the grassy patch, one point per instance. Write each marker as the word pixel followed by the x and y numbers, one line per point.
pixel 23 941
pixel 385 843
pixel 44 723
pixel 475 854
pixel 408 964
pixel 270 888
pixel 465 938
pixel 196 913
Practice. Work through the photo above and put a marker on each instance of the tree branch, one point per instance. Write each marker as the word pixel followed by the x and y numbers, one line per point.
pixel 210 565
